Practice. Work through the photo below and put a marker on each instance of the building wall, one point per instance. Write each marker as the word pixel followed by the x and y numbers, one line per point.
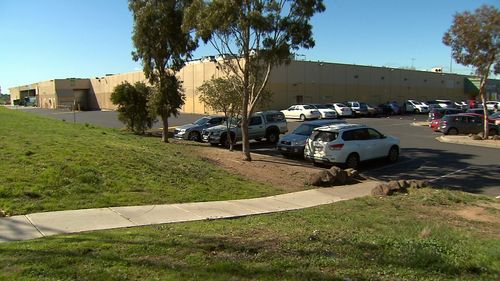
pixel 297 82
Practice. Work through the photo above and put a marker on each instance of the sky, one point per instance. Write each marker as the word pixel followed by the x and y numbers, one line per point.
pixel 47 39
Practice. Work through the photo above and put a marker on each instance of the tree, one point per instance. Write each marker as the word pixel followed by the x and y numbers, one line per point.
pixel 223 95
pixel 252 37
pixel 474 40
pixel 132 103
pixel 163 47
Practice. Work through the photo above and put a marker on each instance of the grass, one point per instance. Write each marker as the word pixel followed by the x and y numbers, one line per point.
pixel 405 237
pixel 48 165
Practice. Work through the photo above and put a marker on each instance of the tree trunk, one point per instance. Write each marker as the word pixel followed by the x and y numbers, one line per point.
pixel 164 133
pixel 482 88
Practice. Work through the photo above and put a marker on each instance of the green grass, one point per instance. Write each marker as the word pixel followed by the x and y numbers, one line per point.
pixel 48 165
pixel 405 237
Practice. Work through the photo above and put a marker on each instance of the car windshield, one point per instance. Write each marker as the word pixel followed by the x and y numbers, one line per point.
pixel 308 107
pixel 416 102
pixel 340 105
pixel 233 121
pixel 304 129
pixel 201 121
pixel 321 106
pixel 495 115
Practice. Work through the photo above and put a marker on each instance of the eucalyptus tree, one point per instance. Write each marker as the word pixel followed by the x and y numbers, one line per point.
pixel 163 48
pixel 475 40
pixel 252 37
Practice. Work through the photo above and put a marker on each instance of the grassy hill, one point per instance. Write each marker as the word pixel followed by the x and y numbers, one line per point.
pixel 48 165
pixel 424 235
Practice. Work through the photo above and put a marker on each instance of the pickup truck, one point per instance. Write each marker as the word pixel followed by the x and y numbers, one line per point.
pixel 265 124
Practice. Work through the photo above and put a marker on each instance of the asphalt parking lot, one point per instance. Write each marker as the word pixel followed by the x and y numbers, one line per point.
pixel 469 168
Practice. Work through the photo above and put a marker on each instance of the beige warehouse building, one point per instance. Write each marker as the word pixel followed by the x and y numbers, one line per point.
pixel 298 82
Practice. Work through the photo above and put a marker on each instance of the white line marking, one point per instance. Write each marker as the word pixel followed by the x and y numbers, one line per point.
pixel 449 174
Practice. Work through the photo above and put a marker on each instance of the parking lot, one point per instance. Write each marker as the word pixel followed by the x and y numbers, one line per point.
pixel 469 168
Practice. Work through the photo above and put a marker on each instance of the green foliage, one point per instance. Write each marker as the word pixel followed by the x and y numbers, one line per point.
pixel 163 47
pixel 132 101
pixel 222 95
pixel 394 238
pixel 475 39
pixel 73 166
pixel 257 35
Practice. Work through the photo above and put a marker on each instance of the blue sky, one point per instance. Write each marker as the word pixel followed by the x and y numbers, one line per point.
pixel 47 39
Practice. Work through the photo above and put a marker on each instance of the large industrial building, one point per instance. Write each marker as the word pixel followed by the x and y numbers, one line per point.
pixel 297 82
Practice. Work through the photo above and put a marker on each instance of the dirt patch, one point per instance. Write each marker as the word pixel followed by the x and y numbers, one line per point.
pixel 288 174
pixel 484 213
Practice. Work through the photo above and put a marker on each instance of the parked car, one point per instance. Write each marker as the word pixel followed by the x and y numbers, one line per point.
pixel 491 105
pixel 479 111
pixel 390 108
pixel 357 108
pixel 292 144
pixel 325 111
pixel 438 113
pixel 463 105
pixel 495 117
pixel 373 110
pixel 266 124
pixel 349 144
pixel 341 109
pixel 302 112
pixel 455 124
pixel 193 131
pixel 445 103
pixel 415 106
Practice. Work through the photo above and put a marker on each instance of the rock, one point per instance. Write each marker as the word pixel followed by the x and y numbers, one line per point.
pixel 2 213
pixel 394 185
pixel 322 178
pixel 495 137
pixel 418 184
pixel 351 173
pixel 476 137
pixel 341 177
pixel 381 190
pixel 404 184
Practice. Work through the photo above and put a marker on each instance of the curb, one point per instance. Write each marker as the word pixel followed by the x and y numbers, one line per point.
pixel 420 124
pixel 468 142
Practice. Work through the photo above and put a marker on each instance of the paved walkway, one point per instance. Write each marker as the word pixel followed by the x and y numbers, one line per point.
pixel 31 226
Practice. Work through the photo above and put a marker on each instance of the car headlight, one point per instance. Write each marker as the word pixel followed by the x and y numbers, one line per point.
pixel 298 143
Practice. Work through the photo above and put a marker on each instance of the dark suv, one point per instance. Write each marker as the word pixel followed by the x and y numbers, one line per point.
pixel 455 124
pixel 438 113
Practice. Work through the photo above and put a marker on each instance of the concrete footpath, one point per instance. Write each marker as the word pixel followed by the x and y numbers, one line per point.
pixel 37 225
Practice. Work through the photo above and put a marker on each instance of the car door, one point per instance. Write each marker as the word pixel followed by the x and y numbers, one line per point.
pixel 364 146
pixel 256 127
pixel 290 112
pixel 379 147
pixel 474 125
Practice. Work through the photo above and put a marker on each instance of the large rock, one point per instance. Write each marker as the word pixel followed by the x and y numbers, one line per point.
pixel 476 137
pixel 351 173
pixel 394 185
pixel 322 178
pixel 340 175
pixel 418 183
pixel 381 190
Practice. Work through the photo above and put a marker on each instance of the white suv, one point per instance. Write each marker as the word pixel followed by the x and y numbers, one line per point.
pixel 349 144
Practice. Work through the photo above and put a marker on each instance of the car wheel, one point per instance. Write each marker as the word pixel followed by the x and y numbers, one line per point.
pixel 416 111
pixel 352 161
pixel 272 137
pixel 194 136
pixel 393 154
pixel 224 141
pixel 302 117
pixel 492 132
pixel 452 131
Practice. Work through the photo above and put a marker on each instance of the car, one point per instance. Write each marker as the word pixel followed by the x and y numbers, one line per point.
pixel 325 110
pixel 193 131
pixel 390 108
pixel 445 103
pixel 292 144
pixel 265 124
pixel 464 123
pixel 302 112
pixel 357 108
pixel 372 110
pixel 434 124
pixel 491 105
pixel 495 118
pixel 349 144
pixel 479 111
pixel 463 105
pixel 341 109
pixel 438 113
pixel 415 106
